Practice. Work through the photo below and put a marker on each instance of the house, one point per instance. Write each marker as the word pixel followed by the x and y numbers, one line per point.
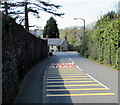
pixel 57 44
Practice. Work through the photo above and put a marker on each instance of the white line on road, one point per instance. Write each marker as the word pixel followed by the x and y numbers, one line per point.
pixel 89 75
pixel 74 63
pixel 79 68
pixel 98 81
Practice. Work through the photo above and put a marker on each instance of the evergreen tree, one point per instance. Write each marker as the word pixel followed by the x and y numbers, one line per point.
pixel 51 29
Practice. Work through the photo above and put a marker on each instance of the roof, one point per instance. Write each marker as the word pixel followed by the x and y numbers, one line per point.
pixel 55 41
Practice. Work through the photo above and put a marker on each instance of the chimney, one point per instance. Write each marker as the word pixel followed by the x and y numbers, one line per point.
pixel 47 36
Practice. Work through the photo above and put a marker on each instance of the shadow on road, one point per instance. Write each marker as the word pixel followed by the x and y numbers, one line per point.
pixel 54 94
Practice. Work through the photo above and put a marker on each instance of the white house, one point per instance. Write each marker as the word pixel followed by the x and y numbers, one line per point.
pixel 57 44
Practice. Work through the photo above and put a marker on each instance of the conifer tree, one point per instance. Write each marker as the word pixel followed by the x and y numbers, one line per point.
pixel 51 29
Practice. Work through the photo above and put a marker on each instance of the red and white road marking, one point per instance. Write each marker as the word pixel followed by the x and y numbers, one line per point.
pixel 63 65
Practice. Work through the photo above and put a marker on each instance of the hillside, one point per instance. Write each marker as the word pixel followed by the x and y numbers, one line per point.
pixel 75 33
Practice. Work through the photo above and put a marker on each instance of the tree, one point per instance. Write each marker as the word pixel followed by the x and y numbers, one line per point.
pixel 6 8
pixel 51 29
pixel 20 10
pixel 26 17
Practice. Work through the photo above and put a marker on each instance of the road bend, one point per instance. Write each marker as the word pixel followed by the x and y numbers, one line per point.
pixel 74 79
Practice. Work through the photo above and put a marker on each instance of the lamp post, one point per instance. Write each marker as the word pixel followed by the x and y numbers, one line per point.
pixel 83 21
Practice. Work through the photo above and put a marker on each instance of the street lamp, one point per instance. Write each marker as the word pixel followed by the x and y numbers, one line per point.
pixel 83 21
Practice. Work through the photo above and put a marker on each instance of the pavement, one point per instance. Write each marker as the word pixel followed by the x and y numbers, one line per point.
pixel 69 78
pixel 31 89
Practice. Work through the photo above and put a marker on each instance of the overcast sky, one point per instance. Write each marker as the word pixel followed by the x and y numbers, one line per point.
pixel 90 10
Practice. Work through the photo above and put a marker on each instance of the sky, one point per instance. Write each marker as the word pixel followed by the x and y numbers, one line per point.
pixel 89 10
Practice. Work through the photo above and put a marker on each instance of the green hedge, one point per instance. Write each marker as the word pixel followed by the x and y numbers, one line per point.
pixel 103 44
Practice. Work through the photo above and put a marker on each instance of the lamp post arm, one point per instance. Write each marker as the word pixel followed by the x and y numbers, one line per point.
pixel 84 22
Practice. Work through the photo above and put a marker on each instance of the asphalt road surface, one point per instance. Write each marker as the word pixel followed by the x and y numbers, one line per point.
pixel 67 77
pixel 71 78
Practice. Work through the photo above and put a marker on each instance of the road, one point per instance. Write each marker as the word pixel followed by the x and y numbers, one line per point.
pixel 67 77
pixel 74 79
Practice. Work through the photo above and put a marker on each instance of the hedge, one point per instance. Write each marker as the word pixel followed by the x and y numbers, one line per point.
pixel 103 44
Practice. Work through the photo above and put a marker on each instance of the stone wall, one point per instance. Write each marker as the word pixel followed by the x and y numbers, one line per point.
pixel 20 51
